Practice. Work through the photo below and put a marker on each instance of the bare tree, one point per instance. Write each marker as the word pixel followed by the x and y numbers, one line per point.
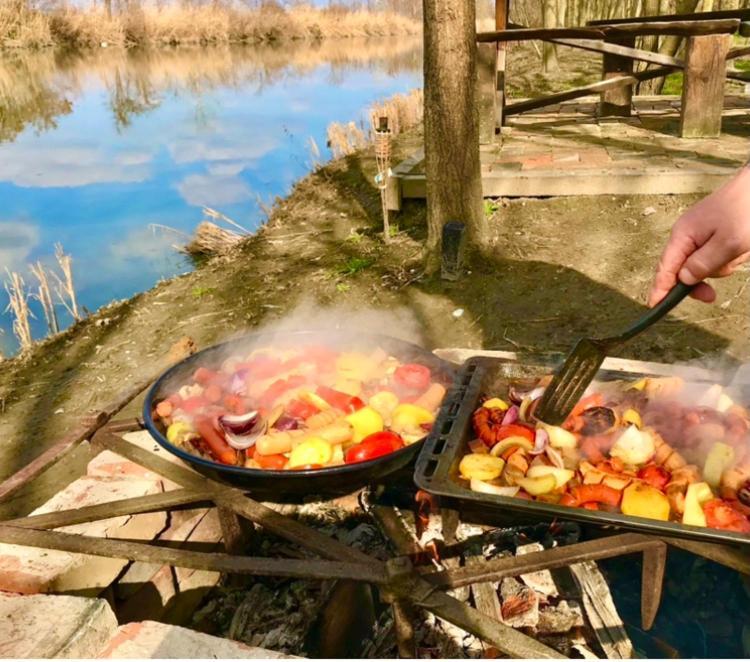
pixel 549 50
pixel 451 123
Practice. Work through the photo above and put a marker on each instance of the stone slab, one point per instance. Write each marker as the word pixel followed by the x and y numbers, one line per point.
pixel 54 626
pixel 30 570
pixel 152 640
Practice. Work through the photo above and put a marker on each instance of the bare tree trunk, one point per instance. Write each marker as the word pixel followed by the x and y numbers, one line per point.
pixel 668 45
pixel 549 51
pixel 451 123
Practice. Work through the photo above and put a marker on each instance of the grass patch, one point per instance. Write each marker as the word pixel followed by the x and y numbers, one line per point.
pixel 742 65
pixel 200 292
pixel 673 84
pixel 490 207
pixel 354 265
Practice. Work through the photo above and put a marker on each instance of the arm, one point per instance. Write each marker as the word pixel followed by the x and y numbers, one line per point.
pixel 711 239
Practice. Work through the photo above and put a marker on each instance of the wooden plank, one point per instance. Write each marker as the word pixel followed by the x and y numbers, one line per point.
pixel 601 611
pixel 593 88
pixel 495 569
pixel 738 52
pixel 652 583
pixel 52 455
pixel 736 559
pixel 485 595
pixel 703 87
pixel 501 23
pixel 145 504
pixel 677 28
pixel 588 182
pixel 742 14
pixel 246 565
pixel 617 49
pixel 230 498
pixel 617 101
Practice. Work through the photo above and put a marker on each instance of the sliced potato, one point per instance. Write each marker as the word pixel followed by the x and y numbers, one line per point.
pixel 632 417
pixel 539 485
pixel 482 467
pixel 616 482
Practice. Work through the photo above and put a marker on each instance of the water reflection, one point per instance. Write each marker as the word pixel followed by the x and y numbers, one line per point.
pixel 95 147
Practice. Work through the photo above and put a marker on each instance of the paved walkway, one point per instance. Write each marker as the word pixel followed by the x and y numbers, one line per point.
pixel 567 150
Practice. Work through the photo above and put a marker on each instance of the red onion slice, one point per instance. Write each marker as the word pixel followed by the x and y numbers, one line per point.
pixel 238 385
pixel 285 422
pixel 242 431
pixel 511 416
pixel 541 441
pixel 239 423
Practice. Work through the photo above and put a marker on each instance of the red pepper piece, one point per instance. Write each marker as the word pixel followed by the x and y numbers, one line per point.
pixel 514 430
pixel 214 440
pixel 300 409
pixel 590 505
pixel 338 400
pixel 655 476
pixel 273 462
pixel 568 499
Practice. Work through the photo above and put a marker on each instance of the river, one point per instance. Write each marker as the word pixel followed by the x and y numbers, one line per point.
pixel 98 148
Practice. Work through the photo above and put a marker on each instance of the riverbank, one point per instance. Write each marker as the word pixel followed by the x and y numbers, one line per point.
pixel 561 268
pixel 24 27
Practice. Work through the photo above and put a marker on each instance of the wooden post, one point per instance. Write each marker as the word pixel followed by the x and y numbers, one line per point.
pixel 486 58
pixel 502 8
pixel 617 101
pixel 703 87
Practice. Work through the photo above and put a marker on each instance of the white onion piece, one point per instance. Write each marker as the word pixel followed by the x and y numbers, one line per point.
pixel 555 457
pixel 488 488
pixel 511 416
pixel 541 441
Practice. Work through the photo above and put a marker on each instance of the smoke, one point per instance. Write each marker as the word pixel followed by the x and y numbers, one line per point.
pixel 340 320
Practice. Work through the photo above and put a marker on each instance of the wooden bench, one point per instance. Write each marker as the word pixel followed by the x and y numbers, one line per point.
pixel 706 54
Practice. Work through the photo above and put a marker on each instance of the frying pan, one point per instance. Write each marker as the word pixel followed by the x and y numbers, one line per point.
pixel 281 486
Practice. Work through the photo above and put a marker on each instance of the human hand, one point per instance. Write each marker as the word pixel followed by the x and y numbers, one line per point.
pixel 710 240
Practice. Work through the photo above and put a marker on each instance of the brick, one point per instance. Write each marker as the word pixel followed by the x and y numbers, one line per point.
pixel 152 640
pixel 54 626
pixel 109 464
pixel 30 570
pixel 171 594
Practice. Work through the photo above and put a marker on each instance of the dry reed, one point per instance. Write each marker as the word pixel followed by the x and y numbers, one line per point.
pixel 172 24
pixel 44 296
pixel 19 307
pixel 64 287
pixel 404 111
pixel 211 239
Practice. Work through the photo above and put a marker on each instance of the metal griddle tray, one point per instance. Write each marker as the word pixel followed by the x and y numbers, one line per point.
pixel 437 467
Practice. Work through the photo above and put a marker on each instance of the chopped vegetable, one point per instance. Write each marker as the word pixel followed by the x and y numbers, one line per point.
pixel 634 446
pixel 312 450
pixel 496 403
pixel 374 445
pixel 538 485
pixel 511 442
pixel 641 500
pixel 559 437
pixel 488 488
pixel 718 460
pixel 482 467
pixel 561 476
pixel 413 377
pixel 365 422
pixel 697 495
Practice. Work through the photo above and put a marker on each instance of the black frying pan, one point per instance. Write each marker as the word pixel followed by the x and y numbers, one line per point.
pixel 282 486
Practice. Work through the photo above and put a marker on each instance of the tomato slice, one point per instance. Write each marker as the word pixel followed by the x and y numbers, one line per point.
pixel 413 376
pixel 374 445
pixel 655 476
pixel 721 515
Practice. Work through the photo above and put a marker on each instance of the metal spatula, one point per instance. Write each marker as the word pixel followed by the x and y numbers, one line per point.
pixel 579 369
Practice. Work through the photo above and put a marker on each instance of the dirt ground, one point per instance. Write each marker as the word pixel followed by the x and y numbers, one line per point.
pixel 560 268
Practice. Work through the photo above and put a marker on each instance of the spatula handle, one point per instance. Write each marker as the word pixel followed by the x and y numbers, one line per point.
pixel 674 296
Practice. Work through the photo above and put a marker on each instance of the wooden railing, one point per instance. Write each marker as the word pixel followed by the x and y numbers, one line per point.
pixel 704 65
